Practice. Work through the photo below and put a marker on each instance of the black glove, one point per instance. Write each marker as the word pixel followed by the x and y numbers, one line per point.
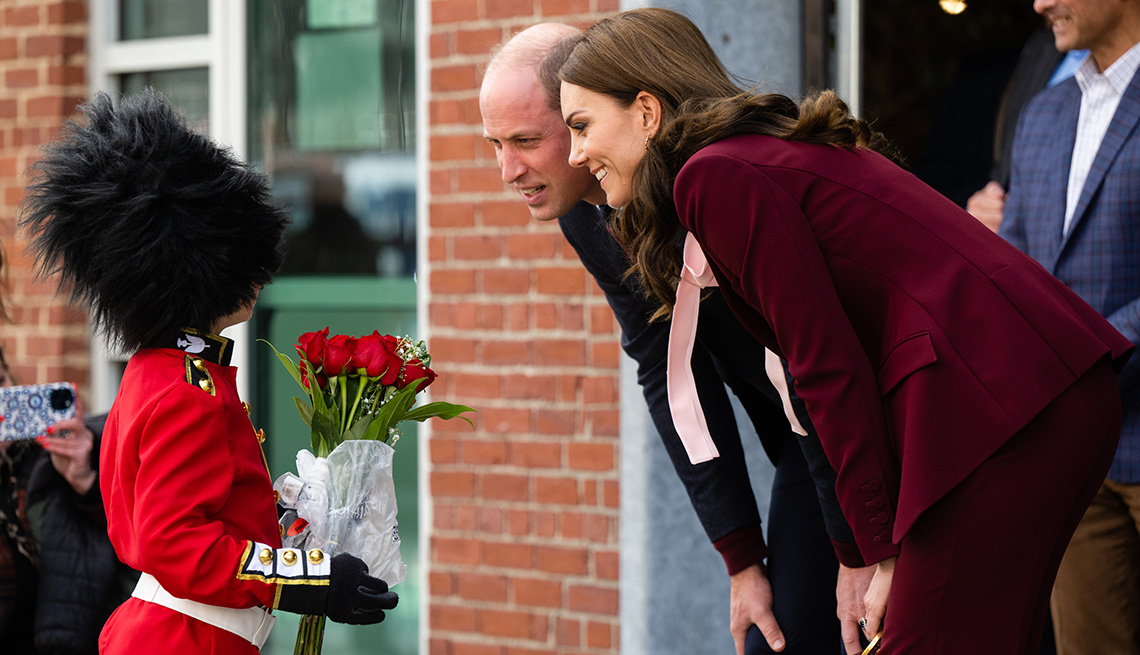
pixel 351 595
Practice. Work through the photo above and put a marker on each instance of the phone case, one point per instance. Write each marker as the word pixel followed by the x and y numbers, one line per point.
pixel 28 410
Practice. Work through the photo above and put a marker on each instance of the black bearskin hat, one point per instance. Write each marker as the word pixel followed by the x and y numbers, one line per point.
pixel 153 227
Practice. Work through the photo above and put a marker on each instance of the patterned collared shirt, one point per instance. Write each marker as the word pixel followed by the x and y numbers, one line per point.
pixel 1100 96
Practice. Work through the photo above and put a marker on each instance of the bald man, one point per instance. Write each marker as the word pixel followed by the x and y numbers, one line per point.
pixel 783 590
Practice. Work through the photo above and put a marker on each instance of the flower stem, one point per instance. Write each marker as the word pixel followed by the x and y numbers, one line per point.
pixel 310 635
pixel 355 403
pixel 343 403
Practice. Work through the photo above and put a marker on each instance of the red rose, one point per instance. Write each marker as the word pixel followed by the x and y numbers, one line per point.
pixel 415 370
pixel 393 342
pixel 338 354
pixel 311 346
pixel 322 380
pixel 376 354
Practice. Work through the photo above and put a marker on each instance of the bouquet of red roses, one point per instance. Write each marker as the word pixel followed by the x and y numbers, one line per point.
pixel 364 386
pixel 358 391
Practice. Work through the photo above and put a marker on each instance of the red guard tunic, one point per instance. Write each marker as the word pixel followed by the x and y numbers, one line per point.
pixel 186 491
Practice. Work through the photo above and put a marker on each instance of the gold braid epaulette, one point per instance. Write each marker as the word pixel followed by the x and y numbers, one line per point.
pixel 197 374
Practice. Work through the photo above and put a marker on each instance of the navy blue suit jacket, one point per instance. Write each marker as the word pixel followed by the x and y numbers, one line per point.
pixel 1099 258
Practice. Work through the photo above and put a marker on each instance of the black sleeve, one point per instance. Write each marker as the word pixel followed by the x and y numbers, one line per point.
pixel 740 360
pixel 821 471
pixel 719 489
pixel 46 482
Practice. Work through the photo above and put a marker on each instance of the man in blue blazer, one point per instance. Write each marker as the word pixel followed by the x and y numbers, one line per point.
pixel 1074 205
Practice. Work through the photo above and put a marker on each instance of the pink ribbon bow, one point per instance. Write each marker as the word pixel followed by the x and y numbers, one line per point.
pixel 684 403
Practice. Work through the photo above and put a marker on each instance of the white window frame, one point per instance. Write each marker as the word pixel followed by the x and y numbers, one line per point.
pixel 222 51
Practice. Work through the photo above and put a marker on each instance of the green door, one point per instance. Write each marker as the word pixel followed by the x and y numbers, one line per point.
pixel 331 121
pixel 346 305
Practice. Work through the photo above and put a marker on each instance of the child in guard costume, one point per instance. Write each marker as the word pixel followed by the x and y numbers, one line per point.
pixel 167 239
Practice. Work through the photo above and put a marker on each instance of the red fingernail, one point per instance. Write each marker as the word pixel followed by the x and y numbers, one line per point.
pixel 50 429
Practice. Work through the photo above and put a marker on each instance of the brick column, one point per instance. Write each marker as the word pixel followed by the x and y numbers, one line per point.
pixel 524 546
pixel 42 68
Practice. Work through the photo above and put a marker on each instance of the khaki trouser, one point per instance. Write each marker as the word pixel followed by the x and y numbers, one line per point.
pixel 1096 598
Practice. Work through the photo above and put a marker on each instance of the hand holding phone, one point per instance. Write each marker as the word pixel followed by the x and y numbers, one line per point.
pixel 27 411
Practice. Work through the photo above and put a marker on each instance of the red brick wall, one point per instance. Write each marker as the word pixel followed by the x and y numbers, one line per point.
pixel 524 547
pixel 42 79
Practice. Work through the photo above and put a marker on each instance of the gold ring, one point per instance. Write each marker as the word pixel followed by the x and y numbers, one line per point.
pixel 871 646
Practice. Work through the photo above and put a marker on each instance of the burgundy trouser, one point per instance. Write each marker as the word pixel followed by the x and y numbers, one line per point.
pixel 975 571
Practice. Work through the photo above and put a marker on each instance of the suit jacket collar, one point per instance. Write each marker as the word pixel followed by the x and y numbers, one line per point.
pixel 1123 123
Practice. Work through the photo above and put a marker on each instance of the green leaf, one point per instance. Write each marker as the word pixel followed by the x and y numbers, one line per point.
pixel 325 433
pixel 288 363
pixel 359 428
pixel 305 410
pixel 392 411
pixel 321 404
pixel 440 409
pixel 373 432
pixel 406 397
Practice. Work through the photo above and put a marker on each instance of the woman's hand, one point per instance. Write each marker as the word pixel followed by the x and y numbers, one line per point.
pixel 875 601
pixel 850 591
pixel 70 442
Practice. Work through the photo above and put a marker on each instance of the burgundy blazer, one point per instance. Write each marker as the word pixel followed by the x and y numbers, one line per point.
pixel 919 340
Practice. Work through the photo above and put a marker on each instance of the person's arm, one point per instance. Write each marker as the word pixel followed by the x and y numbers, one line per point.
pixel 719 490
pixel 190 454
pixel 852 581
pixel 71 445
pixel 68 469
pixel 1015 209
pixel 184 472
pixel 851 587
pixel 752 392
pixel 757 235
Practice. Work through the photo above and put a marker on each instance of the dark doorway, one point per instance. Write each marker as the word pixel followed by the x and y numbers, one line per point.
pixel 933 83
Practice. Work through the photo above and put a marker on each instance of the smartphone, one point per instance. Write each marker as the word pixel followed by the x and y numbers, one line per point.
pixel 28 410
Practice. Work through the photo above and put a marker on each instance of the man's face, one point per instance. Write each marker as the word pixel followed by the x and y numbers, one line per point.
pixel 532 144
pixel 1082 24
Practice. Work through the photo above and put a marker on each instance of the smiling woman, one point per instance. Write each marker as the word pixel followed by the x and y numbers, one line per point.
pixel 682 77
pixel 870 285
pixel 613 148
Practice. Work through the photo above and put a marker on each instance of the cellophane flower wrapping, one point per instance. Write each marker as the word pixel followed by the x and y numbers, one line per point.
pixel 347 503
pixel 343 498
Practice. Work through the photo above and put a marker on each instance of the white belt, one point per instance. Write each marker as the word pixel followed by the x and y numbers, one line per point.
pixel 251 623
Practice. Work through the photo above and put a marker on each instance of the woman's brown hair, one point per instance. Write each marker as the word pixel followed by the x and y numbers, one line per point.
pixel 663 53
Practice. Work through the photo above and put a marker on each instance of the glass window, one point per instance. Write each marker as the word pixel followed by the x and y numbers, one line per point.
pixel 188 89
pixel 152 19
pixel 331 111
